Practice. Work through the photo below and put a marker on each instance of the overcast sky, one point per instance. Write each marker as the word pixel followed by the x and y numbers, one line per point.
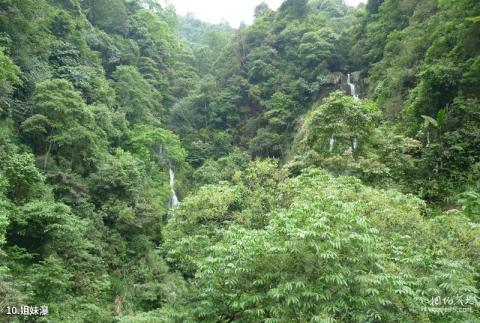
pixel 233 11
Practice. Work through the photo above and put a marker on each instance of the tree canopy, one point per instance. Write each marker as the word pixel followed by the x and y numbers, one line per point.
pixel 320 164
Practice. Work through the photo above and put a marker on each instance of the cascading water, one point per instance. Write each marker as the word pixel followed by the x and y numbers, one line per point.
pixel 355 144
pixel 355 96
pixel 331 144
pixel 173 199
pixel 352 86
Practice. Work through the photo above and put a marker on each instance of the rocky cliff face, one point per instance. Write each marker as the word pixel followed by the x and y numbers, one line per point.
pixel 339 79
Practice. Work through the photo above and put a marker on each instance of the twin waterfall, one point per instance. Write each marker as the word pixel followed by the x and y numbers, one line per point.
pixel 354 144
pixel 174 203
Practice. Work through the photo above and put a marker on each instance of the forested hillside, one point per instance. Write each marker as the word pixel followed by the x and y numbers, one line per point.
pixel 319 165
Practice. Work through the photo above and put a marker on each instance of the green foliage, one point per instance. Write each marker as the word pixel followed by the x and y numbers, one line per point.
pixel 193 226
pixel 437 89
pixel 107 15
pixel 9 78
pixel 343 118
pixel 317 48
pixel 470 202
pixel 45 228
pixel 100 100
pixel 139 100
pixel 76 94
pixel 87 77
pixel 51 280
pixel 118 177
pixel 207 40
pixel 331 235
pixel 4 212
pixel 10 72
pixel 62 124
pixel 272 140
pixel 21 179
pixel 222 169
pixel 156 144
pixel 295 8
pixel 421 55
pixel 341 135
pixel 264 79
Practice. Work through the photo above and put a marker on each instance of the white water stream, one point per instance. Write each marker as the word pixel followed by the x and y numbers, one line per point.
pixel 331 144
pixel 174 203
pixel 353 90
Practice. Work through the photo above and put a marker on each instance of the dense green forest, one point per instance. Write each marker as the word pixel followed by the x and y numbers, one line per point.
pixel 326 159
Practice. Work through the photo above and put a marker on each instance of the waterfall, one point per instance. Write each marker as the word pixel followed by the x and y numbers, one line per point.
pixel 352 86
pixel 173 199
pixel 355 96
pixel 331 144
